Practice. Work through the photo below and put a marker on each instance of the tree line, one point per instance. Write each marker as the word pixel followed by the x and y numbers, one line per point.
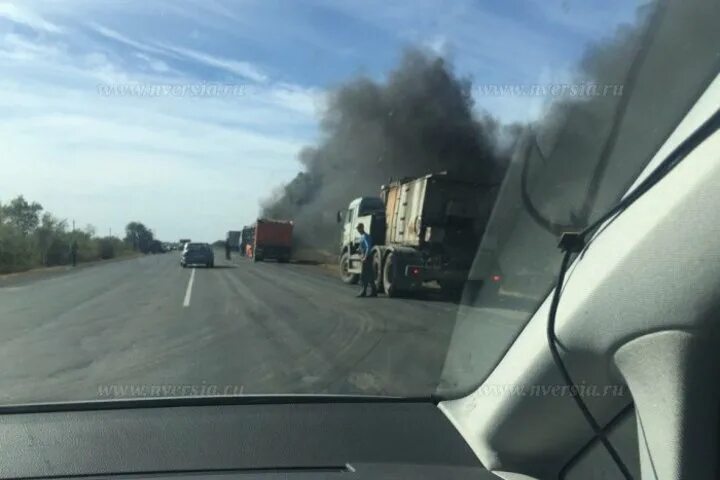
pixel 31 237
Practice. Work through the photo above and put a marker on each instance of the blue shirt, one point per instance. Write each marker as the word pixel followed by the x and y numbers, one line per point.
pixel 366 243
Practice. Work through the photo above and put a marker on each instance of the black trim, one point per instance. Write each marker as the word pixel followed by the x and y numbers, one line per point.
pixel 214 471
pixel 203 401
pixel 627 409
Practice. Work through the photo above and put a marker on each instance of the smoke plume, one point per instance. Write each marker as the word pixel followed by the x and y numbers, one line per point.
pixel 419 121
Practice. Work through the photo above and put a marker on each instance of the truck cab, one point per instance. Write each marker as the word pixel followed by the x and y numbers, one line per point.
pixel 370 211
pixel 424 229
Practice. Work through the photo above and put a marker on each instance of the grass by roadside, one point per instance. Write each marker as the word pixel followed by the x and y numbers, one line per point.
pixel 310 255
pixel 320 258
pixel 14 277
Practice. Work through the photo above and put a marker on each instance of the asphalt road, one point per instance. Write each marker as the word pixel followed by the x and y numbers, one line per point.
pixel 142 327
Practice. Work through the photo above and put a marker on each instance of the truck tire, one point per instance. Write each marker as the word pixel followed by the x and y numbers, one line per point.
pixel 378 270
pixel 349 278
pixel 389 273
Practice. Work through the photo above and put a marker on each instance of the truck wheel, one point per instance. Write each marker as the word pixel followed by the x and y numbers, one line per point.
pixel 389 276
pixel 378 270
pixel 347 277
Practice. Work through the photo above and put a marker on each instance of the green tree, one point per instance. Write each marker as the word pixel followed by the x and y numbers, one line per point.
pixel 22 215
pixel 30 237
pixel 139 237
pixel 107 248
pixel 15 253
pixel 18 219
pixel 51 237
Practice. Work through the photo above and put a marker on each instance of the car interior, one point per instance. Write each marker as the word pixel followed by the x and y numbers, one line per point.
pixel 633 318
pixel 642 317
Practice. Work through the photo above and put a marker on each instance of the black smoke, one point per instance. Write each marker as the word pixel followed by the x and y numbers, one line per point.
pixel 586 151
pixel 581 157
pixel 419 121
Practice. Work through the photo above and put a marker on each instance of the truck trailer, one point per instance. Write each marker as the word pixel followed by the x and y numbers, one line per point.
pixel 423 229
pixel 233 240
pixel 272 239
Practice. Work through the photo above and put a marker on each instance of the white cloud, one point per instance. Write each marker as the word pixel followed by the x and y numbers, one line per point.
pixel 118 37
pixel 156 65
pixel 438 44
pixel 80 154
pixel 308 101
pixel 242 69
pixel 161 160
pixel 14 13
pixel 15 47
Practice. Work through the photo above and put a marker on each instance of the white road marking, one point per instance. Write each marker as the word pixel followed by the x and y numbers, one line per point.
pixel 188 292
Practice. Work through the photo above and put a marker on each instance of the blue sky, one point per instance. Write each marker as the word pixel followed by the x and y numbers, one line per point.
pixel 191 166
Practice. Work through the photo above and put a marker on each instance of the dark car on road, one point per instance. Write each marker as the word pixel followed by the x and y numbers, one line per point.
pixel 197 254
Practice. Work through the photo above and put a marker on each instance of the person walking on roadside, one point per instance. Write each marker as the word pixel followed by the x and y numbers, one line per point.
pixel 227 248
pixel 367 276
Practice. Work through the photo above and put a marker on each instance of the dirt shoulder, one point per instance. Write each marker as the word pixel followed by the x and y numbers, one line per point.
pixel 33 274
pixel 324 260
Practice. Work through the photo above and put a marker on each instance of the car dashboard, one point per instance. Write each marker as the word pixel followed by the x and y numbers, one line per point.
pixel 290 439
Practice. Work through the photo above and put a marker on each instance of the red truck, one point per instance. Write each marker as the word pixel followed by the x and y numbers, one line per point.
pixel 272 239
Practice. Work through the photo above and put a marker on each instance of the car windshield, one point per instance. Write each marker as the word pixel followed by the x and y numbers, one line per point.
pixel 380 186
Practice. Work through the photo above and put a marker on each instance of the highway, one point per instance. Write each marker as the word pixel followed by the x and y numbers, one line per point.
pixel 132 327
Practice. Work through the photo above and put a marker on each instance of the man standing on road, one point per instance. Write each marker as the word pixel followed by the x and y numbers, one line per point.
pixel 367 276
pixel 227 248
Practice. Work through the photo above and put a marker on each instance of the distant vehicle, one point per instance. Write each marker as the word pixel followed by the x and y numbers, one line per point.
pixel 272 239
pixel 247 236
pixel 424 229
pixel 197 254
pixel 233 239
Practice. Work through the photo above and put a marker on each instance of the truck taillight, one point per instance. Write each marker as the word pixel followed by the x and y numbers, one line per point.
pixel 414 271
pixel 496 278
